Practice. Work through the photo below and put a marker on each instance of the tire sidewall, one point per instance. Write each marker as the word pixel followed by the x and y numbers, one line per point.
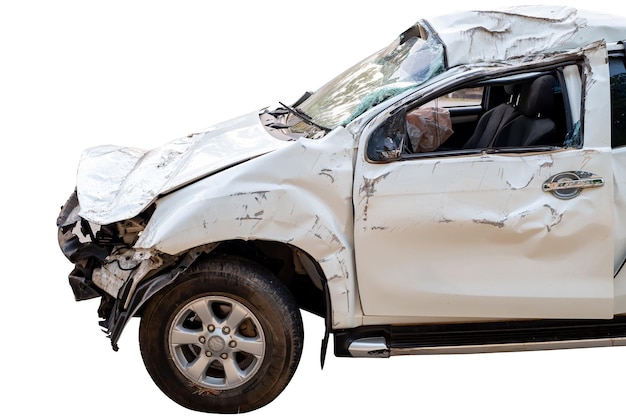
pixel 266 299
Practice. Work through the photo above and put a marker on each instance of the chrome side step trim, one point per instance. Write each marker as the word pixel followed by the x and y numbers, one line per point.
pixel 510 347
pixel 376 347
pixel 369 347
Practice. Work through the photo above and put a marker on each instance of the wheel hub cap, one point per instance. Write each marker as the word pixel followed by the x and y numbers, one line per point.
pixel 216 344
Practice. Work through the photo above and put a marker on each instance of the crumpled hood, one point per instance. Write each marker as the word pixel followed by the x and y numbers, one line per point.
pixel 116 183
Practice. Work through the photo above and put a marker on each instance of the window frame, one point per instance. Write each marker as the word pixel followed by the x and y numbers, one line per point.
pixel 617 58
pixel 487 83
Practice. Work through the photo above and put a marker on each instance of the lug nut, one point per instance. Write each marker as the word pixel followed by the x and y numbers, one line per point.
pixel 232 344
pixel 226 330
pixel 209 353
pixel 202 339
pixel 224 356
pixel 211 328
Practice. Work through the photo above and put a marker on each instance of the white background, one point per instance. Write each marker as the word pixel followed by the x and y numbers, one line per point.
pixel 141 73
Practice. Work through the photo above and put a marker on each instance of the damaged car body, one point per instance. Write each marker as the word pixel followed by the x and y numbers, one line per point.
pixel 461 190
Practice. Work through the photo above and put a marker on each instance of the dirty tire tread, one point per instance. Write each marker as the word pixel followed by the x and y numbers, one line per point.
pixel 269 301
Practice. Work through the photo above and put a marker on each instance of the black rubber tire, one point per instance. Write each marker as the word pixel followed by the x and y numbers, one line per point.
pixel 269 302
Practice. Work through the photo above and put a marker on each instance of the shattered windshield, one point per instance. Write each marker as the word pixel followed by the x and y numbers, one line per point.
pixel 412 59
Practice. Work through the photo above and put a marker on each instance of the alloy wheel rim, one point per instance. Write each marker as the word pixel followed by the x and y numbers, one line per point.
pixel 216 342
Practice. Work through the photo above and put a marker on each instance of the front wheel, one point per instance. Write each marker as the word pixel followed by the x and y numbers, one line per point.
pixel 225 339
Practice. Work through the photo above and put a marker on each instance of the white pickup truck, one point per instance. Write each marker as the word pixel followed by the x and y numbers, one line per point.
pixel 461 190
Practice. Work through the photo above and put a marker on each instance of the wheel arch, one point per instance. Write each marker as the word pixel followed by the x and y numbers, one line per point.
pixel 298 196
pixel 297 270
pixel 301 274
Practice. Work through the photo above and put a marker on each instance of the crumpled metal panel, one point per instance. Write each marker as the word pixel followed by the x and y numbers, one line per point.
pixel 480 238
pixel 121 267
pixel 477 236
pixel 501 34
pixel 116 183
pixel 300 194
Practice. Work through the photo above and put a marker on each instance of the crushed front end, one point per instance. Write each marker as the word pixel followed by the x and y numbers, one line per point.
pixel 107 265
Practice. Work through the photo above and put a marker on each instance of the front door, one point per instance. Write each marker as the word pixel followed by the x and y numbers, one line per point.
pixel 484 236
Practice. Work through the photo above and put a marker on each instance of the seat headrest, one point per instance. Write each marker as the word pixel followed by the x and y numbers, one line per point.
pixel 537 97
pixel 512 89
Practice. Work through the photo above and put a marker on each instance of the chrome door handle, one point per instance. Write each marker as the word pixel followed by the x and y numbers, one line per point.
pixel 569 184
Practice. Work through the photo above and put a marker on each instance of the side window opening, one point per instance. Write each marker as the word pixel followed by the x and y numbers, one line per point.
pixel 533 112
pixel 517 114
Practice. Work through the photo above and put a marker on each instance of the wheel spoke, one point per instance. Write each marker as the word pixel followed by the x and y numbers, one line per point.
pixel 252 345
pixel 236 316
pixel 233 374
pixel 203 310
pixel 197 369
pixel 182 336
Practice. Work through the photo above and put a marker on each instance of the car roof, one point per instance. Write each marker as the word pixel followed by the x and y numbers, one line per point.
pixel 501 34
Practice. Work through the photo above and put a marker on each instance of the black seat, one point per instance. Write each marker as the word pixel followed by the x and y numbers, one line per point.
pixel 532 126
pixel 494 120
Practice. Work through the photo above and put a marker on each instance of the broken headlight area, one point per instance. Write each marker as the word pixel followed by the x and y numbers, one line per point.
pixel 107 265
pixel 103 255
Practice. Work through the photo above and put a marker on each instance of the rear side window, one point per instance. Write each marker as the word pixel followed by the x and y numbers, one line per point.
pixel 618 101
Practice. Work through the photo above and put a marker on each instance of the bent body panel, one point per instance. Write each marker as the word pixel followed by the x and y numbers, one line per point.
pixel 300 195
pixel 116 183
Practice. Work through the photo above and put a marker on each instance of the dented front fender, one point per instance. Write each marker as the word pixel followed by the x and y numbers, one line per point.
pixel 299 195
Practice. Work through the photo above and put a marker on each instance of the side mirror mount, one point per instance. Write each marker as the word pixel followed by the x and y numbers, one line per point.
pixel 387 141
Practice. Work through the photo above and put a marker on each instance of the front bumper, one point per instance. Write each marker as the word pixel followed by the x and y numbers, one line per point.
pixel 78 250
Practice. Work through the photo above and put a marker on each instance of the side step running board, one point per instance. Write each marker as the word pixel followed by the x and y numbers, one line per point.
pixel 385 341
pixel 375 347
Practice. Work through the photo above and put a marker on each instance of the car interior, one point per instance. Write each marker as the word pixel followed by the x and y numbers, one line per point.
pixel 513 114
pixel 520 114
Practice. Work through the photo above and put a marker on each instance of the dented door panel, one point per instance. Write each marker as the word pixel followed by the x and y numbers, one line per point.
pixel 478 237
